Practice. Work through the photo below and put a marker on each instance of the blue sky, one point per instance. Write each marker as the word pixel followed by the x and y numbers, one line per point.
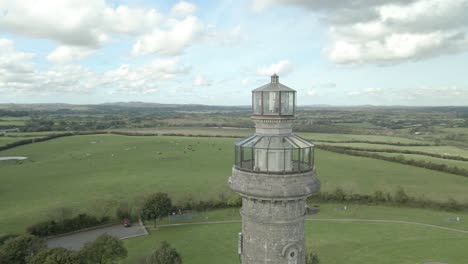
pixel 379 52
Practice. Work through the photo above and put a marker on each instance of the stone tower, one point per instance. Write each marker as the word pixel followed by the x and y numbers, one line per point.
pixel 274 174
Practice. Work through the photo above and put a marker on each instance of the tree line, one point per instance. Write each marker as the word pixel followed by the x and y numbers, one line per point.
pixel 398 159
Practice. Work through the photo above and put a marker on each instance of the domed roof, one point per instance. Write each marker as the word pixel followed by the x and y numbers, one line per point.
pixel 274 86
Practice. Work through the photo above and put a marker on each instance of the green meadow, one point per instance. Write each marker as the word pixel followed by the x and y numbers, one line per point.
pixel 335 242
pixel 441 150
pixel 86 173
pixel 450 163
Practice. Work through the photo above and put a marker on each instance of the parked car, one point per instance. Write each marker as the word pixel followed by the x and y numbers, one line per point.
pixel 126 222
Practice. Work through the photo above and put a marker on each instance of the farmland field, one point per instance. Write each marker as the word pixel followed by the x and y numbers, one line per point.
pixel 356 241
pixel 450 163
pixel 13 121
pixel 242 132
pixel 8 140
pixel 88 172
pixel 441 150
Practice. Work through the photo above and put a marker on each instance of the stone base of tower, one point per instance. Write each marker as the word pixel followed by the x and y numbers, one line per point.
pixel 273 211
pixel 273 231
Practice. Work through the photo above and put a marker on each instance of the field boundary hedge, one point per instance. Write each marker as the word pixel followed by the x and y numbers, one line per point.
pixel 402 160
pixel 415 152
pixel 46 138
pixel 68 134
pixel 376 143
pixel 80 222
pixel 398 199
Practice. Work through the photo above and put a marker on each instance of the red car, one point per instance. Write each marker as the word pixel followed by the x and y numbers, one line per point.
pixel 126 222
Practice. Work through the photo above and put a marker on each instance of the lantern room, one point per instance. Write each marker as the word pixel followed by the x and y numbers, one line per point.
pixel 274 154
pixel 274 99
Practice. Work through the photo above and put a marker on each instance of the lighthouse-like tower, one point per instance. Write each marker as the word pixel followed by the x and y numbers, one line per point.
pixel 274 174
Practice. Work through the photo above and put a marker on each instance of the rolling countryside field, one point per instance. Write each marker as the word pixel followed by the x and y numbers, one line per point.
pixel 200 243
pixel 92 172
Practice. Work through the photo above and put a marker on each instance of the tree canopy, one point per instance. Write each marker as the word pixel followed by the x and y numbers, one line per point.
pixel 55 256
pixel 165 254
pixel 155 206
pixel 104 250
pixel 17 250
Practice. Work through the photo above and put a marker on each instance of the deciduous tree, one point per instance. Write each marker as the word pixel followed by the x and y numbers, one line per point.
pixel 155 206
pixel 104 250
pixel 165 254
pixel 19 249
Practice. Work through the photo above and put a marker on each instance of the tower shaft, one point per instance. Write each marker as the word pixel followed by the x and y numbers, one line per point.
pixel 274 174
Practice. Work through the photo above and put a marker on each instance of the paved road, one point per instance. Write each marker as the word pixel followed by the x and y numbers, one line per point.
pixel 332 220
pixel 77 240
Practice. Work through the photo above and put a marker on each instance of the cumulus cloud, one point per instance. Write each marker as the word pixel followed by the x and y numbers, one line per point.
pixel 444 92
pixel 66 54
pixel 283 67
pixel 18 74
pixel 79 27
pixel 74 22
pixel 367 92
pixel 171 41
pixel 183 9
pixel 388 31
pixel 143 79
pixel 312 92
pixel 200 80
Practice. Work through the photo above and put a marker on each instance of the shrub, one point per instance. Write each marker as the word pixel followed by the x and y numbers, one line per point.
pixel 165 254
pixel 400 196
pixel 312 258
pixel 51 227
pixel 104 250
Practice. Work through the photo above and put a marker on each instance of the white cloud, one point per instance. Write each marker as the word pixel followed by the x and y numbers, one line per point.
pixel 81 27
pixel 143 79
pixel 74 22
pixel 130 21
pixel 183 9
pixel 439 92
pixel 19 75
pixel 312 92
pixel 388 31
pixel 200 80
pixel 173 41
pixel 367 92
pixel 77 26
pixel 66 54
pixel 229 38
pixel 283 67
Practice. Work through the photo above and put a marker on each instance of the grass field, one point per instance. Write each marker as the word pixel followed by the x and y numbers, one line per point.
pixel 13 121
pixel 450 163
pixel 89 172
pixel 212 131
pixel 7 140
pixel 441 150
pixel 335 242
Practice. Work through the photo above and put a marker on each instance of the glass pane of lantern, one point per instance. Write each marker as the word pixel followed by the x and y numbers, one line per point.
pixel 270 103
pixel 257 103
pixel 287 108
pixel 291 102
pixel 305 158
